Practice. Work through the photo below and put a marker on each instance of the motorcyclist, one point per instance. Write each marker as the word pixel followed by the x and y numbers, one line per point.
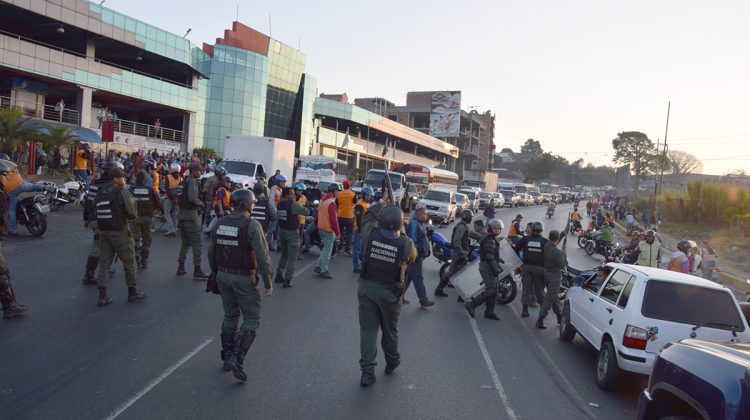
pixel 679 261
pixel 516 233
pixel 11 308
pixel 551 207
pixel 489 269
pixel 632 251
pixel 14 187
pixel 459 250
pixel 575 217
pixel 604 237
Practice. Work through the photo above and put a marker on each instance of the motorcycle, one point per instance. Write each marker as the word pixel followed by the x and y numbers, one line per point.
pixel 585 237
pixel 550 212
pixel 32 213
pixel 315 239
pixel 72 191
pixel 610 252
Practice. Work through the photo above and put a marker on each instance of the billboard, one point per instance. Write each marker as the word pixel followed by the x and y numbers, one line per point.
pixel 445 116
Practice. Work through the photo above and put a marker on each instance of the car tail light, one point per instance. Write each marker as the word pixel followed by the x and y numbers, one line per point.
pixel 635 337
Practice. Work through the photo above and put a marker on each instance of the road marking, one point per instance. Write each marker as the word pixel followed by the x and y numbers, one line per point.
pixel 491 368
pixel 156 381
pixel 303 269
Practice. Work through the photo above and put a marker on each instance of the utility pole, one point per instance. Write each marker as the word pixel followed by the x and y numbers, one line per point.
pixel 664 153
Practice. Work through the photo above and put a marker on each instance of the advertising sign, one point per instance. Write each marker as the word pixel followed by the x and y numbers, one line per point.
pixel 445 117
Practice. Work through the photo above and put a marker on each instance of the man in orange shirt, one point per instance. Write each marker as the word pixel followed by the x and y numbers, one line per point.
pixel 345 213
pixel 81 163
pixel 328 227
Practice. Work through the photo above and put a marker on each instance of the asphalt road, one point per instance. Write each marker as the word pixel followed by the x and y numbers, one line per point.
pixel 69 359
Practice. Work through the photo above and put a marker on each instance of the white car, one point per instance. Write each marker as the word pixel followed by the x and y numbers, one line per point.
pixel 499 200
pixel 636 311
pixel 440 204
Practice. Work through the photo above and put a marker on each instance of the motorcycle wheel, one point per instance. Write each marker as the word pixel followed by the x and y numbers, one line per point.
pixel 37 223
pixel 582 241
pixel 507 289
pixel 55 206
pixel 590 248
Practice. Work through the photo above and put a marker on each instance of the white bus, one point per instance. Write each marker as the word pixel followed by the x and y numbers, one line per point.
pixel 317 168
pixel 425 178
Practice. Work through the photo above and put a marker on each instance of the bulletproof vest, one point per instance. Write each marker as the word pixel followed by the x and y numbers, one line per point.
pixel 89 213
pixel 487 243
pixel 287 220
pixel 185 203
pixel 109 212
pixel 533 250
pixel 143 200
pixel 260 212
pixel 465 238
pixel 233 249
pixel 382 260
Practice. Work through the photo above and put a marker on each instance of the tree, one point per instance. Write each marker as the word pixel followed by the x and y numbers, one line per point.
pixel 637 150
pixel 539 168
pixel 205 152
pixel 531 149
pixel 15 128
pixel 681 163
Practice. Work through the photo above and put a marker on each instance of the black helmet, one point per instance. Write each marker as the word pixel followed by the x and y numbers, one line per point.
pixel 684 246
pixel 108 166
pixel 226 179
pixel 650 233
pixel 519 216
pixel 220 171
pixel 466 215
pixel 537 227
pixel 258 188
pixel 149 164
pixel 242 199
pixel 390 220
pixel 4 156
pixel 334 187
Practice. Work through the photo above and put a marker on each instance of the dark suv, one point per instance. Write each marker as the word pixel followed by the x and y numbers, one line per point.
pixel 698 379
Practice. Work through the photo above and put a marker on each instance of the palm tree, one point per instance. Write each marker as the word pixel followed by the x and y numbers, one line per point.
pixel 54 137
pixel 15 128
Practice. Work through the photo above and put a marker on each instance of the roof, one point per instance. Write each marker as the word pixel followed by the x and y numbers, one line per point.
pixel 668 275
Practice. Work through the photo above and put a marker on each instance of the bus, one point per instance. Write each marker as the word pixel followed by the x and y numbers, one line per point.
pixel 317 168
pixel 424 177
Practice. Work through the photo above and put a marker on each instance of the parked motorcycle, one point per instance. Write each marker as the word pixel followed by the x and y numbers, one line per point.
pixel 610 252
pixel 32 213
pixel 72 191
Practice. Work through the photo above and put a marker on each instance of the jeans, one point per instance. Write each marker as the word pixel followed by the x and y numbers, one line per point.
pixel 170 213
pixel 325 253
pixel 357 251
pixel 84 174
pixel 347 227
pixel 308 233
pixel 13 197
pixel 272 235
pixel 416 278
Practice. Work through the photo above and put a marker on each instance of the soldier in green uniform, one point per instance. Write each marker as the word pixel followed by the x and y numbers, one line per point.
pixel 114 207
pixel 238 249
pixel 189 222
pixel 89 221
pixel 370 218
pixel 459 250
pixel 147 201
pixel 287 214
pixel 388 252
pixel 489 269
pixel 554 262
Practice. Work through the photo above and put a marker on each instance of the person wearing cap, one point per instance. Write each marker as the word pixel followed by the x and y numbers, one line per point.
pixel 209 190
pixel 189 222
pixel 648 250
pixel 11 308
pixel 360 209
pixel 81 163
pixel 272 234
pixel 515 233
pixel 345 213
pixel 89 221
pixel 15 185
pixel 115 206
pixel 147 201
pixel 288 214
pixel 328 228
pixel 388 253
pixel 417 232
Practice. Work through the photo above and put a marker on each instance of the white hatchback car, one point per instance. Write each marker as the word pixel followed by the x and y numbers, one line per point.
pixel 637 310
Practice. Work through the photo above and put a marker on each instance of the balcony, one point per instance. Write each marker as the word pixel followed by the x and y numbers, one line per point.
pixel 140 129
pixel 40 110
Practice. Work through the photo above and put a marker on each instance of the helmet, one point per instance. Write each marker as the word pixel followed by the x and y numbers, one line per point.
pixel 537 227
pixel 466 215
pixel 175 167
pixel 299 186
pixel 195 167
pixel 226 179
pixel 650 233
pixel 280 178
pixel 496 223
pixel 518 217
pixel 390 220
pixel 3 156
pixel 333 187
pixel 7 166
pixel 220 171
pixel 108 166
pixel 258 188
pixel 683 246
pixel 85 146
pixel 367 191
pixel 149 164
pixel 242 199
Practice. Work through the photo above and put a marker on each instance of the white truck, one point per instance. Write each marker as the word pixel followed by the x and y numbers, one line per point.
pixel 248 157
pixel 375 179
pixel 318 168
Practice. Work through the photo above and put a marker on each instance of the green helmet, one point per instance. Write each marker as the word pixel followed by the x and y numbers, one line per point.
pixel 537 227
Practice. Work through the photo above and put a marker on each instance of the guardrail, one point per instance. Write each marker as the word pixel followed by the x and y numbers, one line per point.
pixel 141 129
pixel 42 111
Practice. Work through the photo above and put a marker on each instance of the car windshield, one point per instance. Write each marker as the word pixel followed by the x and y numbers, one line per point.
pixel 471 194
pixel 435 195
pixel 316 165
pixel 411 188
pixel 535 194
pixel 460 198
pixel 485 195
pixel 375 179
pixel 690 304
pixel 241 168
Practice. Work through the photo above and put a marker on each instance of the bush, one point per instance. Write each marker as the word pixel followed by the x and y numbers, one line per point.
pixel 704 203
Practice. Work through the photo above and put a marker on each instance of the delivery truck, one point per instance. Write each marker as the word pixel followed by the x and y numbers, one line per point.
pixel 247 158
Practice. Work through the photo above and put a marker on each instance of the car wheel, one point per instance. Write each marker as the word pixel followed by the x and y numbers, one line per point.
pixel 567 330
pixel 607 370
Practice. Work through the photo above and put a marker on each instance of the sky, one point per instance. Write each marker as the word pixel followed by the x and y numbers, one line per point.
pixel 570 74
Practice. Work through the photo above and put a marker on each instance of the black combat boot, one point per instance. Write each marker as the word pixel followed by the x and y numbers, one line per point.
pixel 198 273
pixel 90 276
pixel 540 323
pixel 181 268
pixel 104 300
pixel 135 295
pixel 13 310
pixel 238 357
pixel 144 258
pixel 367 379
pixel 287 283
pixel 228 343
pixel 489 308
pixel 279 277
pixel 439 290
pixel 525 311
pixel 470 308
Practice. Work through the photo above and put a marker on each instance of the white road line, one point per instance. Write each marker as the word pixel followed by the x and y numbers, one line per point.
pixel 491 368
pixel 156 381
pixel 303 269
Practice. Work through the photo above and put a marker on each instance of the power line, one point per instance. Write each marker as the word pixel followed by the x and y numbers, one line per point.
pixel 729 158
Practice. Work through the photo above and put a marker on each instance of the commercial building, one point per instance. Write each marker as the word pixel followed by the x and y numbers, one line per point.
pixel 438 114
pixel 160 90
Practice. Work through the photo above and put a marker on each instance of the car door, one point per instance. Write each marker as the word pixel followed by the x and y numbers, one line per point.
pixel 605 313
pixel 581 308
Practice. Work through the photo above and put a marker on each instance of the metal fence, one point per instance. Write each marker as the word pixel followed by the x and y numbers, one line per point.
pixel 145 130
pixel 42 111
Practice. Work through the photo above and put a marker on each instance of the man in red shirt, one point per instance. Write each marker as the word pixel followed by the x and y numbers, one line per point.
pixel 328 227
